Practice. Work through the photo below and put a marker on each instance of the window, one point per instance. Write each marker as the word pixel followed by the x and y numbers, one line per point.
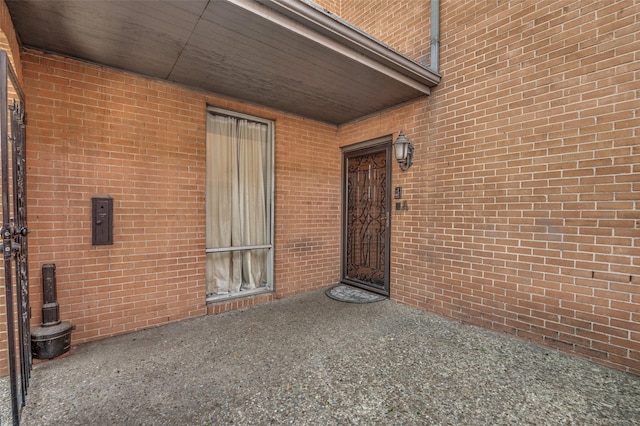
pixel 239 204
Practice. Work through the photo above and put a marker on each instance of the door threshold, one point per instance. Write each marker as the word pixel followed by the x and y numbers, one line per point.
pixel 380 291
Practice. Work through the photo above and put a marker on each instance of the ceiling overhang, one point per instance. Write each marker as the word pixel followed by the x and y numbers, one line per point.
pixel 289 55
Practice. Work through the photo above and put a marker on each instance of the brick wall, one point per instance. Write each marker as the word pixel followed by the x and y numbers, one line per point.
pixel 308 206
pixel 332 6
pixel 401 24
pixel 523 198
pixel 525 194
pixel 96 131
pixel 8 39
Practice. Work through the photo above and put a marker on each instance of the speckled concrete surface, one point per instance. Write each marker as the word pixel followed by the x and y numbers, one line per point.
pixel 311 360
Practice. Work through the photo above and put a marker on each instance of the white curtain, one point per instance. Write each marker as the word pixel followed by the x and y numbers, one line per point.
pixel 238 203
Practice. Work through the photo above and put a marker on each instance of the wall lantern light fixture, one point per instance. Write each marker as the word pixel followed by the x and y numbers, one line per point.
pixel 404 151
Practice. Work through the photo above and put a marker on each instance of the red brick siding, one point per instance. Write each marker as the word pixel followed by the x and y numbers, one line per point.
pixel 8 39
pixel 96 131
pixel 403 25
pixel 331 6
pixel 524 196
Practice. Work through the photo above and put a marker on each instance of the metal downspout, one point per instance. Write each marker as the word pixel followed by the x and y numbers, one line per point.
pixel 435 36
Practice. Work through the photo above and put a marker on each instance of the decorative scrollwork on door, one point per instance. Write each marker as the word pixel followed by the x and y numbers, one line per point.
pixel 14 234
pixel 17 140
pixel 367 218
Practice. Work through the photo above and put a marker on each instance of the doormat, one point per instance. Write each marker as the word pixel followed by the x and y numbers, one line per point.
pixel 347 293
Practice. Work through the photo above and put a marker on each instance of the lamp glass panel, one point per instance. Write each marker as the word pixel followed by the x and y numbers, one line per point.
pixel 401 146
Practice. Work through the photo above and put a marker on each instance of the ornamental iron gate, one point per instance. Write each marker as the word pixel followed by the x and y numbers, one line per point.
pixel 367 202
pixel 14 235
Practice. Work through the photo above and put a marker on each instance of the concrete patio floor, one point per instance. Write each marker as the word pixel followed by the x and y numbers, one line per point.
pixel 311 360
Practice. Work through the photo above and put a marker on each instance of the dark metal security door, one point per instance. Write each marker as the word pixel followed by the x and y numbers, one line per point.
pixel 14 235
pixel 366 216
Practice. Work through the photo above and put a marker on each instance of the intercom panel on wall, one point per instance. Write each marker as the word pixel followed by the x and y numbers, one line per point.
pixel 102 221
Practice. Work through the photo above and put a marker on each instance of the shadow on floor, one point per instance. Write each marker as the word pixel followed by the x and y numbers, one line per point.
pixel 311 360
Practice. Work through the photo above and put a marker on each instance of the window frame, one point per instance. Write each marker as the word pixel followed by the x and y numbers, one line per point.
pixel 269 287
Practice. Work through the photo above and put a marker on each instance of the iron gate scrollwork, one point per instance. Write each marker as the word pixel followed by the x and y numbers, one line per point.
pixel 14 235
pixel 366 219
